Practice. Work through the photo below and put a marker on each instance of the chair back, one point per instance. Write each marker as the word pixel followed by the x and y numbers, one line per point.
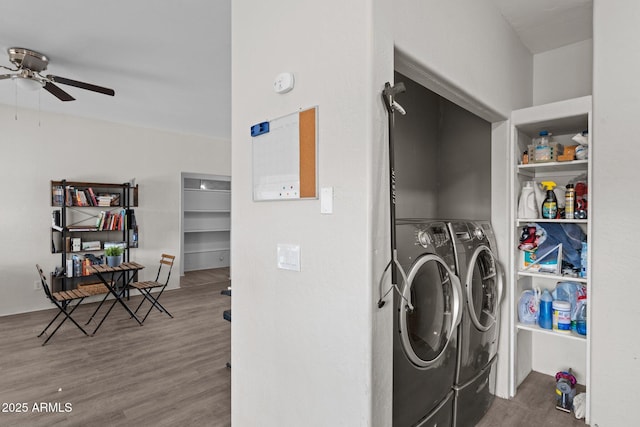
pixel 164 271
pixel 43 280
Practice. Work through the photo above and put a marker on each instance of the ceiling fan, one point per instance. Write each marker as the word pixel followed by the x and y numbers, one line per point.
pixel 29 64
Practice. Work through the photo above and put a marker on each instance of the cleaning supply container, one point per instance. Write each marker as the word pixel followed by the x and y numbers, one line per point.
pixel 550 204
pixel 561 316
pixel 542 148
pixel 581 316
pixel 583 259
pixel 569 202
pixel 545 313
pixel 527 208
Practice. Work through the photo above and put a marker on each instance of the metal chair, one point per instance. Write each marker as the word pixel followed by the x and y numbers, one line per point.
pixel 63 300
pixel 162 280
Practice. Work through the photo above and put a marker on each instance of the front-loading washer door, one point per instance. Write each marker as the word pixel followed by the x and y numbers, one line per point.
pixel 484 288
pixel 428 320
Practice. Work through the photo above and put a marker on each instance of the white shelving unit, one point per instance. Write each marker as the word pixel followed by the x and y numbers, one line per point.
pixel 206 221
pixel 531 347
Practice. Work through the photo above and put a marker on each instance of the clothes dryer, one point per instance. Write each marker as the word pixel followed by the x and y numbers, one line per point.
pixel 482 285
pixel 427 311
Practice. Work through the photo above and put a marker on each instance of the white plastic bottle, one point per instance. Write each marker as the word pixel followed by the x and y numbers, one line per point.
pixel 527 208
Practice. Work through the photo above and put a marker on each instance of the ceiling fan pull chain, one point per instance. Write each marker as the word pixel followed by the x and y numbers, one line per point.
pixel 15 85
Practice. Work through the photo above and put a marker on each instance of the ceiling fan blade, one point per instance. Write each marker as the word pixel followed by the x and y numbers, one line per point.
pixel 81 85
pixel 57 92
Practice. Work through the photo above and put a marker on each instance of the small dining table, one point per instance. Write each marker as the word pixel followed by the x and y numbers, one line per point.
pixel 117 280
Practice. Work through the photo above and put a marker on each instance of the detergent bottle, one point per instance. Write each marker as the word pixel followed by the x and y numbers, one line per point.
pixel 545 312
pixel 550 204
pixel 527 207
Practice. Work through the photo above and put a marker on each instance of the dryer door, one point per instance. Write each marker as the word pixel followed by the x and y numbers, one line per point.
pixel 484 288
pixel 435 293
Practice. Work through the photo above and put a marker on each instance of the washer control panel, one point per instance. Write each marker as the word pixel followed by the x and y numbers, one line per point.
pixel 432 235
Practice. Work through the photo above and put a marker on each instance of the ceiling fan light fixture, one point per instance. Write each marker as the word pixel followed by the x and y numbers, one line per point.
pixel 29 64
pixel 29 84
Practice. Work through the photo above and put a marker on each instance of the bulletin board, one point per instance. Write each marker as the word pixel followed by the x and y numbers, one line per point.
pixel 285 157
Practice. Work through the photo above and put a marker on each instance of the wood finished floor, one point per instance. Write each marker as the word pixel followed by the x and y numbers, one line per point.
pixel 533 406
pixel 169 372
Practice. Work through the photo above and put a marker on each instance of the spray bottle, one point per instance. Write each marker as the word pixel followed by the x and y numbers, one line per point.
pixel 550 204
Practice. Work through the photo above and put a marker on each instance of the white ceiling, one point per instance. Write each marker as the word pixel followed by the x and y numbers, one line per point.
pixel 169 61
pixel 544 25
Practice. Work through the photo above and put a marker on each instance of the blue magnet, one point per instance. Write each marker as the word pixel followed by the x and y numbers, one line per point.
pixel 260 128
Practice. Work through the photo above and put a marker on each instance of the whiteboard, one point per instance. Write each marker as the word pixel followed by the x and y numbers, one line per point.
pixel 285 158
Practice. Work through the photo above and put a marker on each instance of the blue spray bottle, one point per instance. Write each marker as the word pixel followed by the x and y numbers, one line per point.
pixel 545 314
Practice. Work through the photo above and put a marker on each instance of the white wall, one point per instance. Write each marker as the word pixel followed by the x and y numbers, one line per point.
pixel 563 73
pixel 467 45
pixel 40 147
pixel 302 342
pixel 615 315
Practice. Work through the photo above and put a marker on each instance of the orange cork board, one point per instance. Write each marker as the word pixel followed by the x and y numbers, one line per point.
pixel 308 153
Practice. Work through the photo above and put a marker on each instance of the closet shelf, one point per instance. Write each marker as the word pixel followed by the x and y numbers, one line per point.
pixel 566 335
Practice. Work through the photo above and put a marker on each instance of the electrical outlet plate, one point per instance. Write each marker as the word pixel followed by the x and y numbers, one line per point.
pixel 289 257
pixel 36 285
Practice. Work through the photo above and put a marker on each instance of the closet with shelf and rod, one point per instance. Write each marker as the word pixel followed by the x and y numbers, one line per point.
pixel 533 348
pixel 206 221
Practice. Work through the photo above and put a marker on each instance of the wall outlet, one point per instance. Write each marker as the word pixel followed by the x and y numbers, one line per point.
pixel 36 285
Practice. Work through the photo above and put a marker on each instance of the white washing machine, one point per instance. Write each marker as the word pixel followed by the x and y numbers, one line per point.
pixel 482 286
pixel 425 323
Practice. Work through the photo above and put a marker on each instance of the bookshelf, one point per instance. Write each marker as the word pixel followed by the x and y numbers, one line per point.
pixel 88 217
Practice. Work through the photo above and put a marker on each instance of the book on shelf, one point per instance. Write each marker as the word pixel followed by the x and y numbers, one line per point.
pixel 131 219
pixel 57 195
pixel 81 197
pixel 55 220
pixel 91 246
pixel 81 228
pixel 92 196
pixel 100 220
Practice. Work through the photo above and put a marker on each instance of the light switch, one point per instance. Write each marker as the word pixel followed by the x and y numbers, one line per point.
pixel 326 200
pixel 289 257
